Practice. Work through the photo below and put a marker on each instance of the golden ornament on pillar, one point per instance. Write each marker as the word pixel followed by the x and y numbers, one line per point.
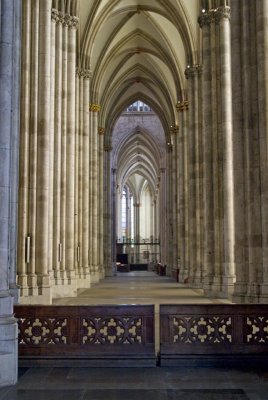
pixel 101 131
pixel 94 107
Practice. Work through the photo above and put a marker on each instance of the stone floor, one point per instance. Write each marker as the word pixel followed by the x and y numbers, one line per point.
pixel 138 384
pixel 141 287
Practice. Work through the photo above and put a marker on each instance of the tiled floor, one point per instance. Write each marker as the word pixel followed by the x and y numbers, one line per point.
pixel 138 384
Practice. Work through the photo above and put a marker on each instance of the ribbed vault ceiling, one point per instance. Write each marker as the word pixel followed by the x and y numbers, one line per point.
pixel 138 49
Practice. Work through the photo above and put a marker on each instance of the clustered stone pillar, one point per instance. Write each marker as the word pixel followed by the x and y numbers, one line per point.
pixel 46 249
pixel 218 182
pixel 249 55
pixel 9 140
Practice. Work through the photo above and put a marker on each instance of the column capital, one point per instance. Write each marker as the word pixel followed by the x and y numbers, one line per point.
pixel 191 71
pixel 107 148
pixel 94 107
pixel 222 13
pixel 55 15
pixel 174 129
pixel 205 19
pixel 101 131
pixel 74 22
pixel 182 105
pixel 84 73
pixel 66 20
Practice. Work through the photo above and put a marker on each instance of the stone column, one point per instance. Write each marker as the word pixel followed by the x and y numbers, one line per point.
pixel 137 230
pixel 80 181
pixel 62 244
pixel 205 21
pixel 85 199
pixel 57 151
pixel 24 146
pixel 183 241
pixel 107 238
pixel 42 201
pixel 54 20
pixel 70 246
pixel 94 109
pixel 223 17
pixel 262 63
pixel 9 136
pixel 192 74
pixel 101 132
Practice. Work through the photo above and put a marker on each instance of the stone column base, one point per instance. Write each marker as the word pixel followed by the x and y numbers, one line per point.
pixel 8 341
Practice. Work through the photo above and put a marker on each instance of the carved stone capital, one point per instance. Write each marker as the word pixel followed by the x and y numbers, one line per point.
pixel 55 15
pixel 205 19
pixel 101 131
pixel 221 13
pixel 191 71
pixel 174 129
pixel 66 20
pixel 94 107
pixel 182 105
pixel 74 22
pixel 61 17
pixel 83 73
pixel 107 148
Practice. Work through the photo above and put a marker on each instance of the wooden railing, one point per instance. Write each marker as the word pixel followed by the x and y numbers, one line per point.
pixel 205 334
pixel 86 335
pixel 213 334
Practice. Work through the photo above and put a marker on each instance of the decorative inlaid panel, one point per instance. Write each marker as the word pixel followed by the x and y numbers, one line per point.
pixel 192 329
pixel 37 331
pixel 112 330
pixel 257 329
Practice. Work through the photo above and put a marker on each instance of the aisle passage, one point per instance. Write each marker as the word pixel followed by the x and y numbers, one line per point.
pixel 140 287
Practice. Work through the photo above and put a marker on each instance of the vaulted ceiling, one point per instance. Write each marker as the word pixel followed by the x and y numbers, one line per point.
pixel 138 49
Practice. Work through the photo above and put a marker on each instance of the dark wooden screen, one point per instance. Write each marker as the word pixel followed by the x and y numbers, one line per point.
pixel 86 335
pixel 213 334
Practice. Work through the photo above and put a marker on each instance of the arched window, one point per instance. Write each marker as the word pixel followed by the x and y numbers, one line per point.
pixel 138 106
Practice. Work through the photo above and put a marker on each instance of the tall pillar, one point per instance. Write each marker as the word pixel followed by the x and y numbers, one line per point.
pixel 42 193
pixel 183 241
pixel 262 63
pixel 85 196
pixel 70 154
pixel 195 273
pixel 228 273
pixel 107 208
pixel 101 132
pixel 205 21
pixel 57 149
pixel 94 228
pixel 9 136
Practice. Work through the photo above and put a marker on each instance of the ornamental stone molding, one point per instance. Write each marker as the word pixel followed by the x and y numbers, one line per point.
pixel 94 107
